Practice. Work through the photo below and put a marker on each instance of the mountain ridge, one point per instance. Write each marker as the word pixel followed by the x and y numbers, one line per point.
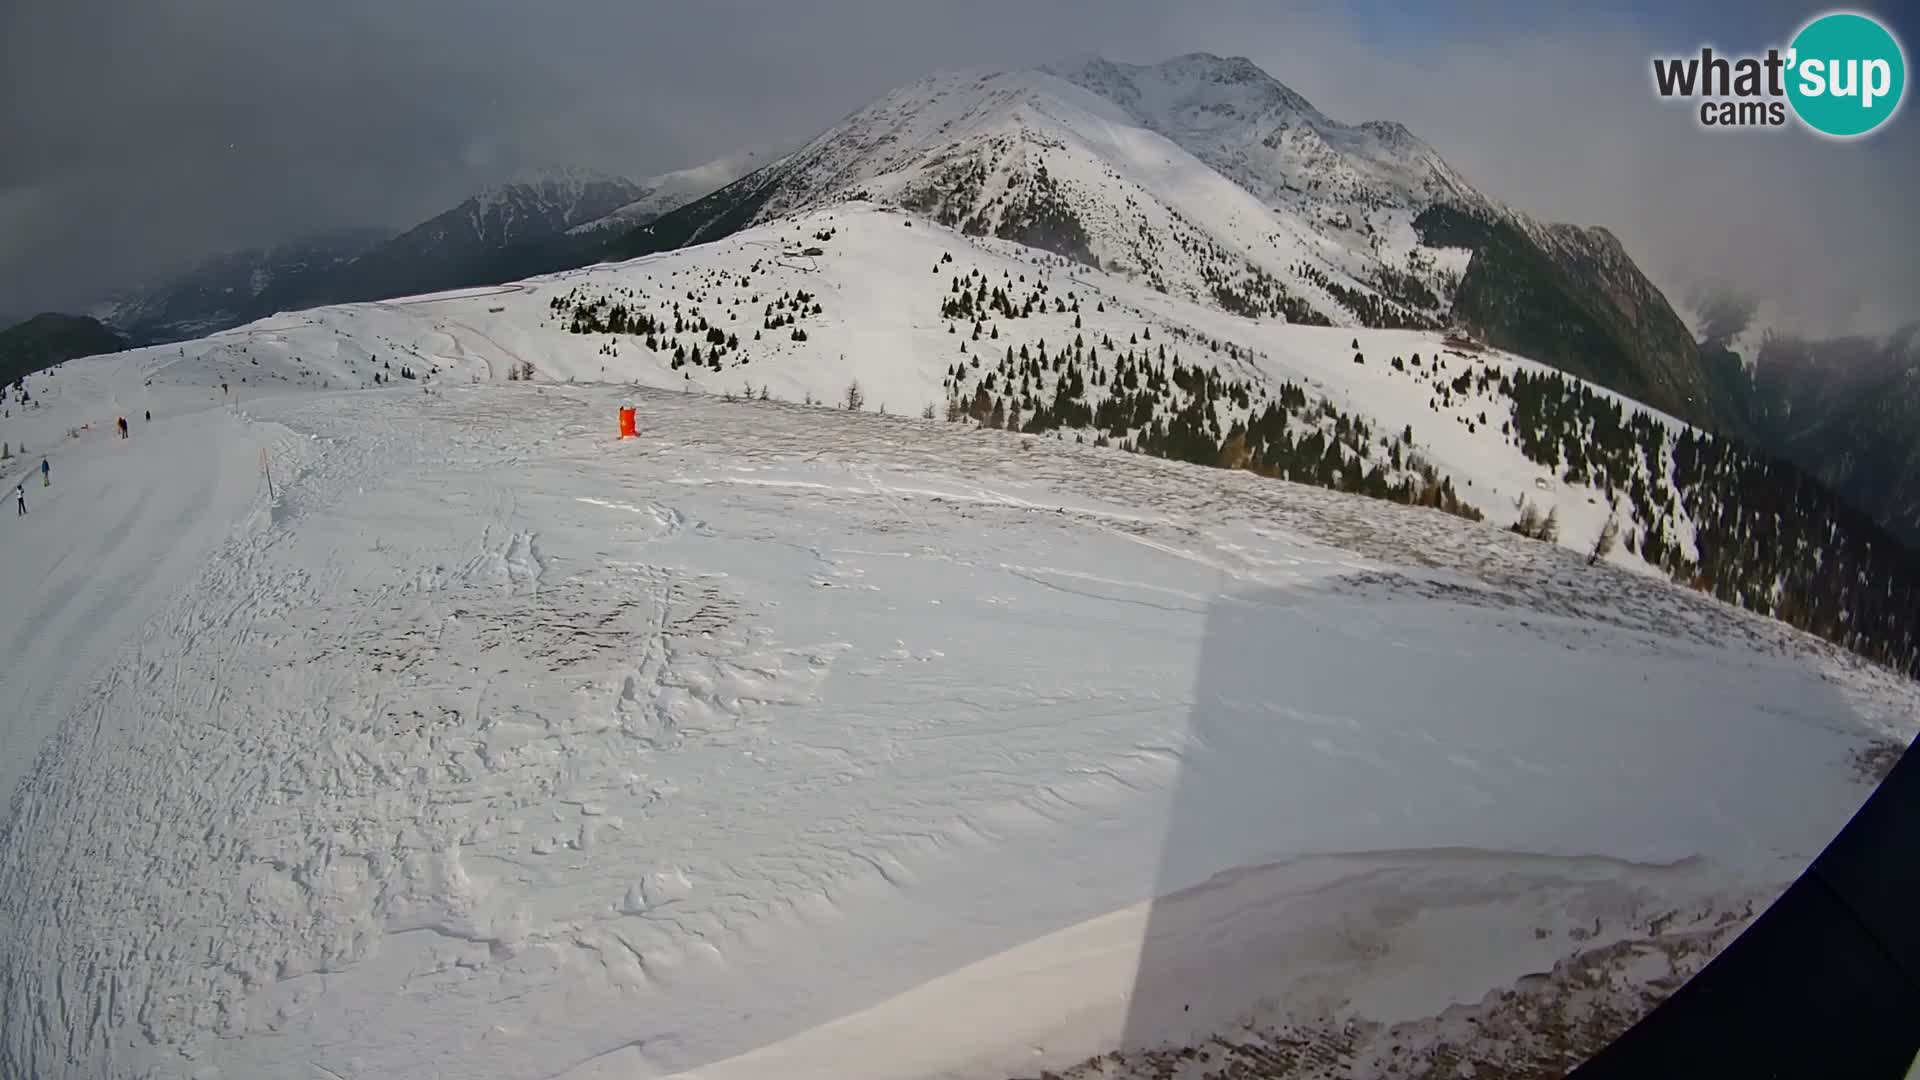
pixel 51 338
pixel 528 223
pixel 1206 177
pixel 224 290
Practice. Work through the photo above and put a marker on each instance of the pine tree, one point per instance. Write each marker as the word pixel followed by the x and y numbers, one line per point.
pixel 1603 544
pixel 1529 523
pixel 854 398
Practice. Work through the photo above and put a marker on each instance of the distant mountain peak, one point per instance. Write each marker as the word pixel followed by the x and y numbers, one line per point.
pixel 561 195
pixel 1390 132
pixel 553 175
pixel 668 191
pixel 1199 82
pixel 1228 69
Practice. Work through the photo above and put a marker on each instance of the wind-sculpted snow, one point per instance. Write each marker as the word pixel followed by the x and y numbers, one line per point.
pixel 491 746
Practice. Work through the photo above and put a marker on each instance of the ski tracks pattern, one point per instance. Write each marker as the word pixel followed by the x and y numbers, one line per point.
pixel 336 739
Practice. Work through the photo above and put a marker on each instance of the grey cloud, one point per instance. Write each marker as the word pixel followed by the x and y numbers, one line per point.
pixel 143 135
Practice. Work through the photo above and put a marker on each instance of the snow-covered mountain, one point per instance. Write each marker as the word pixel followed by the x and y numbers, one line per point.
pixel 1243 123
pixel 535 204
pixel 508 231
pixel 1030 156
pixel 225 291
pixel 1846 409
pixel 537 221
pixel 1207 179
pixel 670 191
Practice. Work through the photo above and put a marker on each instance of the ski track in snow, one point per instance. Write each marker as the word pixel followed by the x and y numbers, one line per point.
pixel 631 758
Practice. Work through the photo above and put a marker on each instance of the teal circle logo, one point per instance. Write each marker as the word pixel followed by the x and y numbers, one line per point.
pixel 1846 74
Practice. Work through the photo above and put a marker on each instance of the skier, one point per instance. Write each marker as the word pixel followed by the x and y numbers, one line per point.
pixel 149 416
pixel 46 473
pixel 20 492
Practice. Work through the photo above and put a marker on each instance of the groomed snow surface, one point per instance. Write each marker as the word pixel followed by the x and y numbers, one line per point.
pixel 788 742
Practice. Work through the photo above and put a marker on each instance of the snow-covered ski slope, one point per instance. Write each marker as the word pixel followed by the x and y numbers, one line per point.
pixel 787 741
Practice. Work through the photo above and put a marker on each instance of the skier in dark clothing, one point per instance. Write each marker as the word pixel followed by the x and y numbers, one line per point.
pixel 20 492
pixel 149 416
pixel 46 473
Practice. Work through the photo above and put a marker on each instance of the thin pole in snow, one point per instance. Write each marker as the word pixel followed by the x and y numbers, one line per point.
pixel 268 471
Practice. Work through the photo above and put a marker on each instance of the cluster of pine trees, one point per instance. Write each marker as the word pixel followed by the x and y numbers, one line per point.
pixel 1372 310
pixel 1144 398
pixel 1037 214
pixel 1404 288
pixel 683 333
pixel 1338 451
pixel 1259 295
pixel 951 195
pixel 969 298
pixel 789 308
pixel 1767 536
pixel 1031 209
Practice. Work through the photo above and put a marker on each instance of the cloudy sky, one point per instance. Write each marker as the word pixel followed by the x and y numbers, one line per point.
pixel 137 136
